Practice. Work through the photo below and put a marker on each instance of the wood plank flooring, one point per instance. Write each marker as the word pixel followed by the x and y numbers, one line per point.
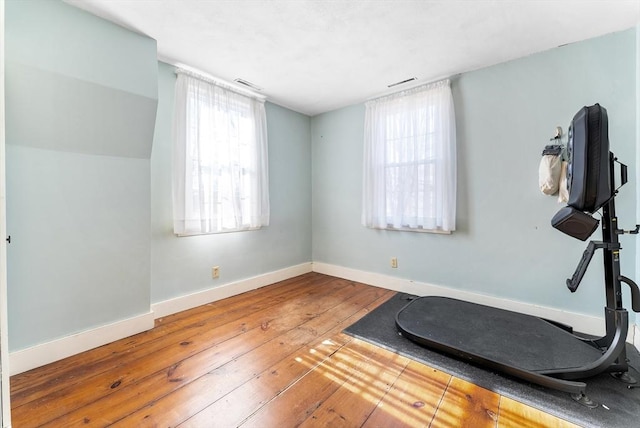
pixel 273 357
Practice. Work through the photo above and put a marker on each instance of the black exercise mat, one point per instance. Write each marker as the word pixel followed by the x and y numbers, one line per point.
pixel 619 406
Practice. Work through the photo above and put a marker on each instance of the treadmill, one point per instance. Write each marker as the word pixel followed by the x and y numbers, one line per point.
pixel 537 350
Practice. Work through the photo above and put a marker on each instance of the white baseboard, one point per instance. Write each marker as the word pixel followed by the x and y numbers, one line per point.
pixel 45 353
pixel 182 303
pixel 39 355
pixel 586 323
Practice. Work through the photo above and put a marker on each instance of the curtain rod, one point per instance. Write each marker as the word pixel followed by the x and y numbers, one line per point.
pixel 218 82
pixel 415 87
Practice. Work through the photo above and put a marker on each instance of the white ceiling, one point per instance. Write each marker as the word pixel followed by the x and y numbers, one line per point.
pixel 315 56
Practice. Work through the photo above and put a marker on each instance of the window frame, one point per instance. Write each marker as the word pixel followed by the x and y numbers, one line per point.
pixel 398 138
pixel 218 195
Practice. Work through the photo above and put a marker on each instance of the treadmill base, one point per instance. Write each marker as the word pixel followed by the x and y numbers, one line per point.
pixel 520 345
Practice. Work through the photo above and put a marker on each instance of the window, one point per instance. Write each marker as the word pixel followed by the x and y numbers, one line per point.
pixel 220 165
pixel 410 160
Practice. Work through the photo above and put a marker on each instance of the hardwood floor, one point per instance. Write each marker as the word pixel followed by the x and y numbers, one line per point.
pixel 273 357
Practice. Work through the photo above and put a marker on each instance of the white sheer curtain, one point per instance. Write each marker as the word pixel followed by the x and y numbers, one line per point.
pixel 410 160
pixel 220 164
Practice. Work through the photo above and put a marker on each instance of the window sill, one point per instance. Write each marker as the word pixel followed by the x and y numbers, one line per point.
pixel 187 234
pixel 409 229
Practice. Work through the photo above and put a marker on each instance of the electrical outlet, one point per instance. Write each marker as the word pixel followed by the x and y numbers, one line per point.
pixel 215 272
pixel 394 262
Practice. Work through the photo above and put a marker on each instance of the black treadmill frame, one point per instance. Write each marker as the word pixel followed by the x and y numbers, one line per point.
pixel 612 344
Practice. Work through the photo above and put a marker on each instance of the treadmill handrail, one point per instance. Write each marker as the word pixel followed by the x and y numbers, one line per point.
pixel 635 292
pixel 574 281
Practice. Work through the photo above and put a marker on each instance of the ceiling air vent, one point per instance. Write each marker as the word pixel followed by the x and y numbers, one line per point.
pixel 402 82
pixel 248 84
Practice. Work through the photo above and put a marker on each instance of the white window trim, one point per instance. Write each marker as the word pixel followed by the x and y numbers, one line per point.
pixel 205 111
pixel 380 126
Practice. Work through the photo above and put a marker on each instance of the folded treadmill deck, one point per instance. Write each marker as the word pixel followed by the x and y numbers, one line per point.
pixel 485 334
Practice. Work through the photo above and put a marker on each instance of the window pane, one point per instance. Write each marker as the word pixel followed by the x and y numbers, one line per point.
pixel 410 160
pixel 224 164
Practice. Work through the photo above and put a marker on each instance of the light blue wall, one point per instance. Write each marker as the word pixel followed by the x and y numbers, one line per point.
pixel 79 252
pixel 81 99
pixel 89 200
pixel 53 36
pixel 89 180
pixel 183 265
pixel 85 82
pixel 504 245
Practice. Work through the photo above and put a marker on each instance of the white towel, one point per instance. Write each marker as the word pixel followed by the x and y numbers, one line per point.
pixel 549 174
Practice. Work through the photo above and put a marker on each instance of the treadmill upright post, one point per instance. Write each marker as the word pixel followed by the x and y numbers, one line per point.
pixel 613 287
pixel 611 256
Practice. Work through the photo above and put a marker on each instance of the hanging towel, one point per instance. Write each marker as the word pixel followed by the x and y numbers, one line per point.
pixel 549 174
